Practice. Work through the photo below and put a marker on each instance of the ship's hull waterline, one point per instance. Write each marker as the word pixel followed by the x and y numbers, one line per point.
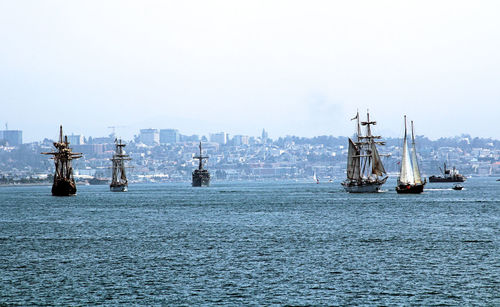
pixel 363 188
pixel 118 188
pixel 201 178
pixel 64 187
pixel 410 189
pixel 449 179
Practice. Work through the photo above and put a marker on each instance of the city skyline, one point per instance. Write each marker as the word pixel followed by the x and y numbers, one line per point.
pixel 292 67
pixel 114 132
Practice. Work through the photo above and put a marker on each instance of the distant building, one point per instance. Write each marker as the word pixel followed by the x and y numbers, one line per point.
pixel 149 137
pixel 76 139
pixel 102 140
pixel 93 149
pixel 219 138
pixel 169 136
pixel 11 137
pixel 189 138
pixel 239 140
pixel 265 136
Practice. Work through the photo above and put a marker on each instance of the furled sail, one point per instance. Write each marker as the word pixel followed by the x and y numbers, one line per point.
pixel 406 176
pixel 377 166
pixel 353 163
pixel 123 176
pixel 114 173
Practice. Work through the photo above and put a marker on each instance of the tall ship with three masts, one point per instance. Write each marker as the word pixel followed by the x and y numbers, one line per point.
pixel 201 176
pixel 365 171
pixel 64 183
pixel 410 180
pixel 119 182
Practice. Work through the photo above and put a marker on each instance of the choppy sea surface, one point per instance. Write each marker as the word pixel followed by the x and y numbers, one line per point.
pixel 253 243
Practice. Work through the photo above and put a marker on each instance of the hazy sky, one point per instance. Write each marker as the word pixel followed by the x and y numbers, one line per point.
pixel 292 67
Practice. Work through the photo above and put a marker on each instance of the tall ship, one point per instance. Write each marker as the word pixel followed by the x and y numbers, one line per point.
pixel 409 180
pixel 201 176
pixel 64 183
pixel 448 175
pixel 119 182
pixel 365 170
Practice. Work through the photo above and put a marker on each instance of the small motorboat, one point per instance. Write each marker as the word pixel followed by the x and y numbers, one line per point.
pixel 457 187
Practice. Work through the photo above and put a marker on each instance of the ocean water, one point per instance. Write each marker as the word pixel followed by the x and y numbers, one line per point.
pixel 254 243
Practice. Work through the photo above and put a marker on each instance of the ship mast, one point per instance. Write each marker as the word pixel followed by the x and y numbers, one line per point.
pixel 370 159
pixel 358 126
pixel 200 158
pixel 62 158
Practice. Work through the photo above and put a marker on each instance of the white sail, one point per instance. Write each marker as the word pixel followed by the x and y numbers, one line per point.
pixel 414 162
pixel 406 174
pixel 353 167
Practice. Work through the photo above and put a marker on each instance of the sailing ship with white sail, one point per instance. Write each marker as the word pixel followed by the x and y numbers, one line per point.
pixel 119 182
pixel 365 170
pixel 410 180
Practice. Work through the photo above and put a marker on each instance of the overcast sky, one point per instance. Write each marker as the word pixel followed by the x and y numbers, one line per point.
pixel 292 67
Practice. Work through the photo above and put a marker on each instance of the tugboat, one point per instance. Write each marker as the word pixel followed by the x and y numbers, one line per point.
pixel 365 171
pixel 448 176
pixel 201 176
pixel 64 183
pixel 119 181
pixel 409 181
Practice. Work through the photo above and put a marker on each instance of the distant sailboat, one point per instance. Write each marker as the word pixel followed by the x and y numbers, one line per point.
pixel 410 180
pixel 315 178
pixel 119 182
pixel 365 171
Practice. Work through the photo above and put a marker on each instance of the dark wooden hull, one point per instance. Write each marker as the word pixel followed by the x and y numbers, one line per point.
pixel 201 178
pixel 64 187
pixel 410 189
